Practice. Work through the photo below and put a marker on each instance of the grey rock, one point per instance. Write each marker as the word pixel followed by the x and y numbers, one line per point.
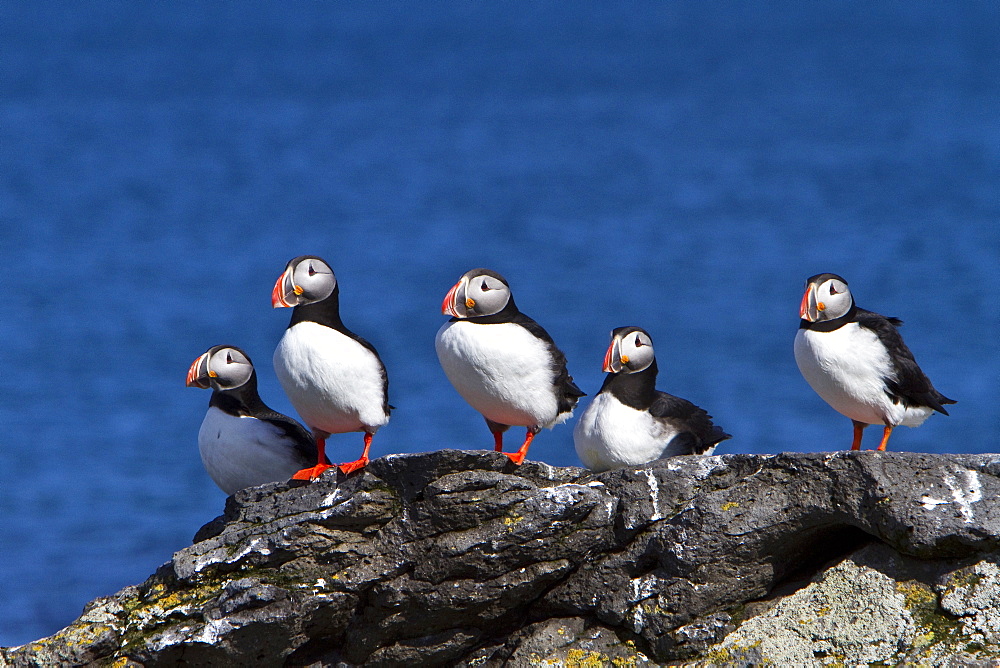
pixel 460 557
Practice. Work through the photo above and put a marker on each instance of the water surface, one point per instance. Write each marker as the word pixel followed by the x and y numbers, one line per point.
pixel 680 166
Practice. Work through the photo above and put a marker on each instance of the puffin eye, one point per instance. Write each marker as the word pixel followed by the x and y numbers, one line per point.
pixel 484 287
pixel 638 341
pixel 833 290
pixel 229 358
pixel 312 272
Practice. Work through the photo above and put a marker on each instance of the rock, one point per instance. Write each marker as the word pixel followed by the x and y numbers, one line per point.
pixel 849 611
pixel 457 557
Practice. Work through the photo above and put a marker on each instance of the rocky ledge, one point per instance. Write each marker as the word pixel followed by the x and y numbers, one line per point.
pixel 458 557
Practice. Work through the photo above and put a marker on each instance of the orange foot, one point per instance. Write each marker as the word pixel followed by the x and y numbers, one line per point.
pixel 312 472
pixel 516 457
pixel 351 467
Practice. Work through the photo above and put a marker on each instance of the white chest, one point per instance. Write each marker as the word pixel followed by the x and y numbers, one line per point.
pixel 240 452
pixel 610 434
pixel 502 370
pixel 847 368
pixel 334 382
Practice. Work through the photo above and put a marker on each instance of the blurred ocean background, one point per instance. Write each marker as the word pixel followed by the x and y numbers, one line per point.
pixel 683 166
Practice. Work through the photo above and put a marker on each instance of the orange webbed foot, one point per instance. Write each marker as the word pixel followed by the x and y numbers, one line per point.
pixel 312 472
pixel 351 467
pixel 516 457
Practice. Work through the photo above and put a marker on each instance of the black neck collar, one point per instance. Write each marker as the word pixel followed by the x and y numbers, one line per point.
pixel 242 400
pixel 636 390
pixel 324 312
pixel 833 324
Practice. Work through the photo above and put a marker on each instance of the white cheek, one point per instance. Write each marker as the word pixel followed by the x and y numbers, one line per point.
pixel 834 306
pixel 491 301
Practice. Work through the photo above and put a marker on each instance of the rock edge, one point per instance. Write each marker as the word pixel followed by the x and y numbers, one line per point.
pixel 459 557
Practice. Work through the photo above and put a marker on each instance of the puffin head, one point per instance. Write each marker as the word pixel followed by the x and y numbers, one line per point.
pixel 307 279
pixel 221 368
pixel 631 351
pixel 478 292
pixel 826 297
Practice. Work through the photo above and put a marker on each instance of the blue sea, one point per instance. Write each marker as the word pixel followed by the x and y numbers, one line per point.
pixel 682 166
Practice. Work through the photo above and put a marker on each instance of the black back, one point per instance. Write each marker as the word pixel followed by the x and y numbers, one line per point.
pixel 638 390
pixel 245 401
pixel 326 312
pixel 911 387
pixel 567 393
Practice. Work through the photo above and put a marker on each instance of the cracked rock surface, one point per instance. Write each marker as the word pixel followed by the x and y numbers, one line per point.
pixel 459 557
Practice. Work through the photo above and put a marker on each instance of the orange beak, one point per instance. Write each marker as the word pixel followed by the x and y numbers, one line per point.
pixel 607 358
pixel 804 306
pixel 448 305
pixel 195 377
pixel 810 307
pixel 278 294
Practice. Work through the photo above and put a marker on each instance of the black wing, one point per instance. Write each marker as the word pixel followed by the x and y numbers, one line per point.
pixel 911 385
pixel 245 402
pixel 568 392
pixel 689 418
pixel 385 377
pixel 327 312
pixel 303 440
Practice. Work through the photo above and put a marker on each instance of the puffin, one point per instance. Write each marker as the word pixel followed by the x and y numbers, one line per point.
pixel 630 422
pixel 243 443
pixel 857 362
pixel 334 378
pixel 503 363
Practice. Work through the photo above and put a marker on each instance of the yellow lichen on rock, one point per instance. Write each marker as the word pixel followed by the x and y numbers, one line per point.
pixel 578 658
